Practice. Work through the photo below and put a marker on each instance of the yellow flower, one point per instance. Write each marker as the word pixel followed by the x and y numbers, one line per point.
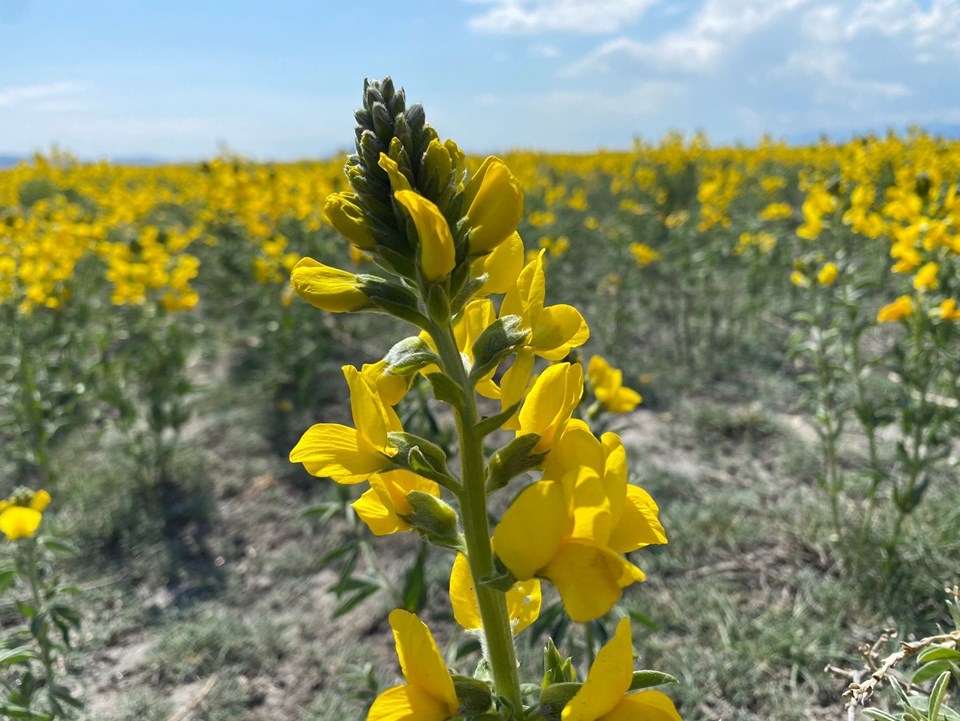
pixel 437 251
pixel 494 205
pixel 398 181
pixel 776 211
pixel 523 599
pixel 607 385
pixel 20 515
pixel 948 309
pixel 327 288
pixel 340 210
pixel 926 277
pixel 345 454
pixel 572 526
pixel 384 505
pixel 901 308
pixel 827 274
pixel 799 279
pixel 644 254
pixel 605 695
pixel 556 328
pixel 428 694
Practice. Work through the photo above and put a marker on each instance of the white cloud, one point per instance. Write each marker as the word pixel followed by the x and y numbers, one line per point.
pixel 545 51
pixel 40 97
pixel 527 17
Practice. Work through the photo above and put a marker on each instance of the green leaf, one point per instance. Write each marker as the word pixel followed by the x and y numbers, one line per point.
pixel 20 654
pixel 496 342
pixel 936 653
pixel 937 695
pixel 878 715
pixel 410 355
pixel 414 586
pixel 932 669
pixel 649 679
pixel 493 423
pixel 355 600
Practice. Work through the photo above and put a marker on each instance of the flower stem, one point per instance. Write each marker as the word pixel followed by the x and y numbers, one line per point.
pixel 500 651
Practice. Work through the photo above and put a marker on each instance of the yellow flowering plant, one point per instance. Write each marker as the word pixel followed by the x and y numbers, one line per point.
pixel 33 644
pixel 445 242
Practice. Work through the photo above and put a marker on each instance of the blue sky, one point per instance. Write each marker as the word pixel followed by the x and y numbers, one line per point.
pixel 181 79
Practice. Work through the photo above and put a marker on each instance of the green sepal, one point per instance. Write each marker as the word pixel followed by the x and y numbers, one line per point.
pixel 495 422
pixel 410 355
pixel 555 697
pixel 422 457
pixel 438 304
pixel 393 298
pixel 556 668
pixel 446 390
pixel 433 519
pixel 474 695
pixel 648 679
pixel 513 459
pixel 462 286
pixel 496 342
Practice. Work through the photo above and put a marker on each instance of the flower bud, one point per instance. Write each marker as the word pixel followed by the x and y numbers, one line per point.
pixel 329 289
pixel 340 210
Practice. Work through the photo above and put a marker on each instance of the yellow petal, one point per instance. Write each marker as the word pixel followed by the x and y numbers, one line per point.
pixel 576 447
pixel 376 509
pixel 523 603
pixel 494 203
pixel 346 217
pixel 329 289
pixel 649 705
pixel 420 660
pixel 18 522
pixel 523 599
pixel 463 596
pixel 391 388
pixel 407 703
pixel 41 499
pixel 589 578
pixel 614 473
pixel 558 329
pixel 551 401
pixel 513 385
pixel 398 181
pixel 623 400
pixel 639 525
pixel 532 529
pixel 372 417
pixel 588 505
pixel 502 266
pixel 329 450
pixel 607 681
pixel 437 252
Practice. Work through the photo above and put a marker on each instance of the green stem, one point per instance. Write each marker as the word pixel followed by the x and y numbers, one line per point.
pixel 500 651
pixel 42 640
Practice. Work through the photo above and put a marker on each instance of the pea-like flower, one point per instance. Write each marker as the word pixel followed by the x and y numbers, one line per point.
pixel 556 328
pixel 340 210
pixel 605 695
pixel 20 515
pixel 384 506
pixel 428 694
pixel 607 385
pixel 900 309
pixel 351 455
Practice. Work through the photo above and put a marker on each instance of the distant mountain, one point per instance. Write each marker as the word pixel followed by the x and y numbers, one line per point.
pixel 8 161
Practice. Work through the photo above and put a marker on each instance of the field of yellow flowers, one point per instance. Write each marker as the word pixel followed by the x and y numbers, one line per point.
pixel 789 316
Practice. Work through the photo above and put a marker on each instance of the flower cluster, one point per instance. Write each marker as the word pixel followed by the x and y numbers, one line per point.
pixel 446 241
pixel 21 513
